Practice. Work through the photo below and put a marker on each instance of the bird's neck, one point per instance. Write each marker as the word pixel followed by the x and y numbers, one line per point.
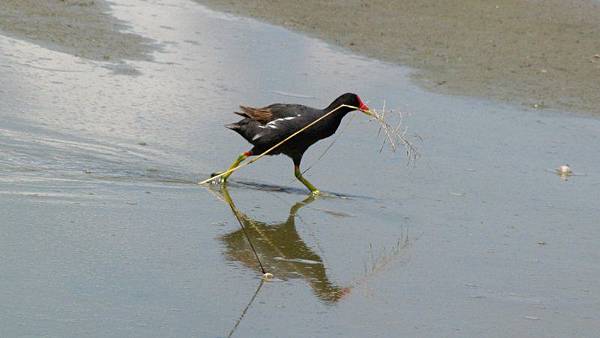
pixel 340 110
pixel 337 104
pixel 335 118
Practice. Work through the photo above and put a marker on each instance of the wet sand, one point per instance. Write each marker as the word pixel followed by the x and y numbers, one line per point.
pixel 536 53
pixel 82 28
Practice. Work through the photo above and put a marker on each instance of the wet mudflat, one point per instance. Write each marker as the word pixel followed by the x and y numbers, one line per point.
pixel 105 233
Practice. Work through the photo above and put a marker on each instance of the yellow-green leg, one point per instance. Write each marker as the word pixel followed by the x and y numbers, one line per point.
pixel 235 163
pixel 304 181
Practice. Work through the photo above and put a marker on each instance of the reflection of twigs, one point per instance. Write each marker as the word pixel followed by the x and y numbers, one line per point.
pixel 237 323
pixel 385 258
pixel 377 264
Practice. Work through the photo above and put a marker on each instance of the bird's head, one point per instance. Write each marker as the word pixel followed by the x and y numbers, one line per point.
pixel 352 100
pixel 362 106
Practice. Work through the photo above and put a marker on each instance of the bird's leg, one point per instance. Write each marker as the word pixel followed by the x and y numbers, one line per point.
pixel 234 165
pixel 304 181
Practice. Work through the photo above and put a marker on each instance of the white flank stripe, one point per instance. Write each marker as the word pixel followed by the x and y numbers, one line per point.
pixel 273 124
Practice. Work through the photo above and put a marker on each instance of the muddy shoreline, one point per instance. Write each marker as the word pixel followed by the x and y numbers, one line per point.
pixel 541 54
pixel 82 28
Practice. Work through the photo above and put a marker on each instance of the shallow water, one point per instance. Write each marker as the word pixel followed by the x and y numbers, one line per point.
pixel 105 233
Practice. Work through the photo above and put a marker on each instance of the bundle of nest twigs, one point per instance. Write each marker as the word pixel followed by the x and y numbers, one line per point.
pixel 396 136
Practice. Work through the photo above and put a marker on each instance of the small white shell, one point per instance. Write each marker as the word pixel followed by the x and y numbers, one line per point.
pixel 564 169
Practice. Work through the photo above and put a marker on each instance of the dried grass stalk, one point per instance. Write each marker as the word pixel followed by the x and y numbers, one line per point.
pixel 396 136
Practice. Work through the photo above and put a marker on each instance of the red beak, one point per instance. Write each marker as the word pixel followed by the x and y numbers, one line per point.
pixel 363 107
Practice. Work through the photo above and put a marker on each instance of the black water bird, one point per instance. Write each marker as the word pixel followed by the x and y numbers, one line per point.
pixel 265 127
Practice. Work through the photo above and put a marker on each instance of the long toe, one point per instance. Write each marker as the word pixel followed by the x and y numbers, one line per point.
pixel 219 180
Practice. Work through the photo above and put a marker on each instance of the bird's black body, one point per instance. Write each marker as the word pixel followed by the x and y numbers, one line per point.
pixel 268 126
pixel 279 121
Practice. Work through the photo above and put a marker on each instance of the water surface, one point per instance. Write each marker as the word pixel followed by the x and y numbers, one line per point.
pixel 105 233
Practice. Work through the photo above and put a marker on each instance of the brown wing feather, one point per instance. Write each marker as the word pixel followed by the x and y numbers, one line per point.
pixel 262 115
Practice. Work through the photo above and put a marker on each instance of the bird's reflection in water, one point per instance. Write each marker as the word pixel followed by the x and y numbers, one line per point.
pixel 281 250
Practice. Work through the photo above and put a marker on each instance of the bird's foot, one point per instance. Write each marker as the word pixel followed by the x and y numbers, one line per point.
pixel 315 193
pixel 218 180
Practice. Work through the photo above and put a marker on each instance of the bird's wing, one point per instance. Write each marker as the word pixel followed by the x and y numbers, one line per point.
pixel 273 112
pixel 262 115
pixel 281 110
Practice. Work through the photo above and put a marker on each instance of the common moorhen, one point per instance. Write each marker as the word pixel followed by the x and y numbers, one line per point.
pixel 267 126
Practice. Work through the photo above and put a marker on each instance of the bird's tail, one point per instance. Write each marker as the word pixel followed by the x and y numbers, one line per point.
pixel 233 126
pixel 236 126
pixel 242 114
